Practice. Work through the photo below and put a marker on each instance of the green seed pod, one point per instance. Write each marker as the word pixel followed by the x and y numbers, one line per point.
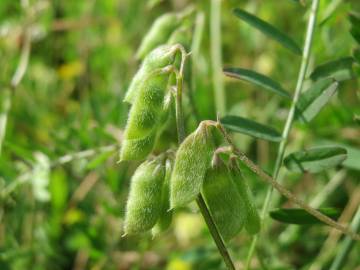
pixel 165 216
pixel 143 206
pixel 182 36
pixel 167 133
pixel 158 33
pixel 144 117
pixel 137 149
pixel 225 204
pixel 147 108
pixel 160 57
pixel 253 219
pixel 191 162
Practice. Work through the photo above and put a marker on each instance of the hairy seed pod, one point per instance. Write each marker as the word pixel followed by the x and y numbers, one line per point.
pixel 253 219
pixel 225 204
pixel 165 215
pixel 191 162
pixel 182 36
pixel 137 149
pixel 144 117
pixel 160 57
pixel 143 206
pixel 167 133
pixel 158 33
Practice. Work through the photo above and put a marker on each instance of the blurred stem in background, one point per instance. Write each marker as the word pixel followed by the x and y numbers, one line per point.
pixel 195 52
pixel 290 117
pixel 288 235
pixel 4 110
pixel 330 247
pixel 7 92
pixel 216 56
pixel 346 245
pixel 25 177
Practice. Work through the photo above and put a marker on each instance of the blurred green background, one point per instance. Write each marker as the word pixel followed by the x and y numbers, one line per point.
pixel 63 193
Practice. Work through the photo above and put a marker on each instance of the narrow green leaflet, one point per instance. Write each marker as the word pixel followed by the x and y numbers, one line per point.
pixel 355 26
pixel 357 119
pixel 353 160
pixel 355 32
pixel 251 128
pixel 356 54
pixel 268 30
pixel 354 19
pixel 257 79
pixel 301 217
pixel 315 98
pixel 315 159
pixel 353 154
pixel 340 70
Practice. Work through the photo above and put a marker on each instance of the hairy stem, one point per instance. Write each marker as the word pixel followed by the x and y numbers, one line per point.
pixel 291 232
pixel 216 56
pixel 200 200
pixel 290 117
pixel 285 192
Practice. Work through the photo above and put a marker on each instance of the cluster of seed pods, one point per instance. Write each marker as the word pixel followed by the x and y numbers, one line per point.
pixel 164 182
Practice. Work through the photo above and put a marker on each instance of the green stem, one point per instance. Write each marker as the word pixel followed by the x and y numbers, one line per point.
pixel 195 51
pixel 200 200
pixel 346 245
pixel 6 95
pixel 26 176
pixel 216 56
pixel 4 107
pixel 290 117
pixel 291 232
pixel 282 190
pixel 214 232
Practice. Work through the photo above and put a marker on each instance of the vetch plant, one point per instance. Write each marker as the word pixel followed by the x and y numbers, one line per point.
pixel 206 167
pixel 230 108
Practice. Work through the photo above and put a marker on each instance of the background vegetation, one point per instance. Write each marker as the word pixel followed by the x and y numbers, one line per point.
pixel 62 192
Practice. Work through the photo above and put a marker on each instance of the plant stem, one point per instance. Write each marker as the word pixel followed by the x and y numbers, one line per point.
pixel 5 107
pixel 26 176
pixel 214 232
pixel 282 190
pixel 195 51
pixel 216 56
pixel 327 250
pixel 6 94
pixel 290 117
pixel 178 110
pixel 200 200
pixel 291 232
pixel 346 245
